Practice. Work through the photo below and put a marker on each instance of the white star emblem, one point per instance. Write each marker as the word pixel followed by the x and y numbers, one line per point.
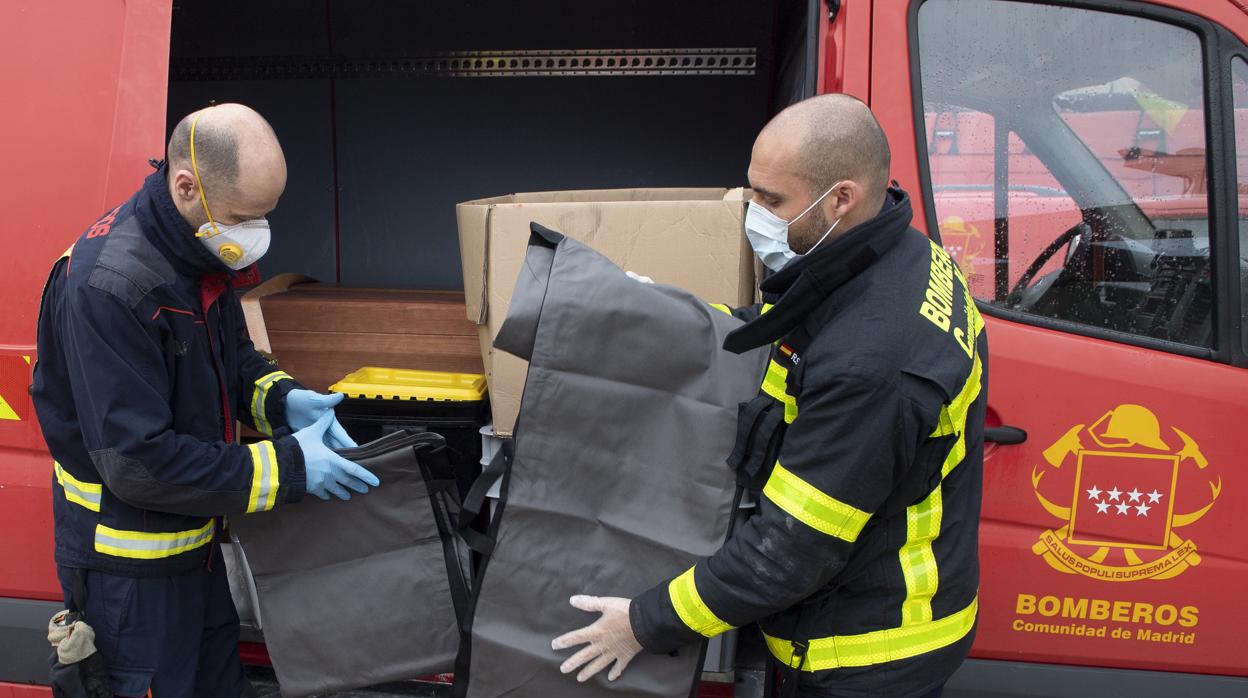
pixel 1102 507
pixel 1114 494
pixel 1122 508
pixel 1154 497
pixel 1094 493
pixel 1142 509
pixel 1135 494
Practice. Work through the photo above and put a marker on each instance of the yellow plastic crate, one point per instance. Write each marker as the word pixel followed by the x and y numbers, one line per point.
pixel 373 382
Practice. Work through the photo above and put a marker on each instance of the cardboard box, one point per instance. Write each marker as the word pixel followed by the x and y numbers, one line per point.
pixel 691 238
pixel 321 332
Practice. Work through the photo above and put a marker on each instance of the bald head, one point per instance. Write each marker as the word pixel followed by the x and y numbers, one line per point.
pixel 239 163
pixel 837 138
pixel 827 141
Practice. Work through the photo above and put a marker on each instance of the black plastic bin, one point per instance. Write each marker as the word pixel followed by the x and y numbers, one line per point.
pixel 454 405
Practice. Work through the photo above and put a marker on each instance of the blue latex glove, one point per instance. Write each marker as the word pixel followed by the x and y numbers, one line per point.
pixel 304 407
pixel 327 472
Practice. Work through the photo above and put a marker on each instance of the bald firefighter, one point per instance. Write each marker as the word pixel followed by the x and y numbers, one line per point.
pixel 860 564
pixel 144 366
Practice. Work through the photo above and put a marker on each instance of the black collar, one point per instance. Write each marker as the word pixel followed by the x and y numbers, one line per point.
pixel 806 282
pixel 168 230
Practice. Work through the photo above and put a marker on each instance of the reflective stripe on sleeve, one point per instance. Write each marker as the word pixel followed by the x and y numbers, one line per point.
pixel 692 610
pixel 721 308
pixel 953 417
pixel 141 545
pixel 264 477
pixel 879 646
pixel 259 397
pixel 86 494
pixel 775 383
pixel 918 561
pixel 808 504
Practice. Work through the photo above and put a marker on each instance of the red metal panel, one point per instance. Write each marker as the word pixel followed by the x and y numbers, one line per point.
pixel 845 50
pixel 891 96
pixel 86 84
pixel 1177 608
pixel 17 690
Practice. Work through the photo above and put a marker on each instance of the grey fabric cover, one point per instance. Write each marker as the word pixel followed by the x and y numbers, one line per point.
pixel 355 593
pixel 619 478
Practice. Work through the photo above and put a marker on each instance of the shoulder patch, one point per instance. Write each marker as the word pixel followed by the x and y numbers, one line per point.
pixel 128 266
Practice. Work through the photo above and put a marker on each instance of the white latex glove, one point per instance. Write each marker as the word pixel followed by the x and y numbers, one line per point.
pixel 608 641
pixel 639 278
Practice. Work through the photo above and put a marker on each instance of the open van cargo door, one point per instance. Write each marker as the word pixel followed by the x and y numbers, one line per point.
pixel 85 85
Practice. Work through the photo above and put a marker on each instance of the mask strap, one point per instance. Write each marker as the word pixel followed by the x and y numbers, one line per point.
pixel 815 203
pixel 200 183
pixel 825 237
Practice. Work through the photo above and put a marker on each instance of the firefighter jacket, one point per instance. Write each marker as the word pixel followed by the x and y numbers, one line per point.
pixel 143 367
pixel 861 562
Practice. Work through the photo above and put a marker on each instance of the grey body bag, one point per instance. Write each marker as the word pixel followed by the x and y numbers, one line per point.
pixel 618 479
pixel 365 591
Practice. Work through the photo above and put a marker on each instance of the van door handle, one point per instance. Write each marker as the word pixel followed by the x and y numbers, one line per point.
pixel 1005 435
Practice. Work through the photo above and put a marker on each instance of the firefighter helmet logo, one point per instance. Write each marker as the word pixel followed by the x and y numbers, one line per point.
pixel 1121 523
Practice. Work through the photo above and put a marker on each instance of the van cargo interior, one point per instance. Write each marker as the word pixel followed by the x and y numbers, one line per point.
pixel 390 112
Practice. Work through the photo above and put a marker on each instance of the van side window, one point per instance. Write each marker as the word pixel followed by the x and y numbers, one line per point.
pixel 1239 85
pixel 1068 164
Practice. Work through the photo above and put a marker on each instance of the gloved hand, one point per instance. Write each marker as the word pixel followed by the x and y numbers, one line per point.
pixel 610 639
pixel 303 407
pixel 638 277
pixel 328 472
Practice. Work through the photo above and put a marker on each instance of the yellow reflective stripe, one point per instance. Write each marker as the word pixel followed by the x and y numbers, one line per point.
pixel 721 308
pixel 879 646
pixel 767 308
pixel 692 610
pixel 259 418
pixel 918 561
pixel 264 477
pixel 812 507
pixel 953 417
pixel 85 494
pixel 774 384
pixel 141 545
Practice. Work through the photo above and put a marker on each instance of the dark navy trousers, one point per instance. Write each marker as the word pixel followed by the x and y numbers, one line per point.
pixel 176 637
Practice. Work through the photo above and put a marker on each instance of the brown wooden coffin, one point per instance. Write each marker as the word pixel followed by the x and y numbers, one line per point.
pixel 319 333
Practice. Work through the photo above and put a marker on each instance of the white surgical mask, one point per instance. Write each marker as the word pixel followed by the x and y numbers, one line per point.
pixel 769 233
pixel 238 246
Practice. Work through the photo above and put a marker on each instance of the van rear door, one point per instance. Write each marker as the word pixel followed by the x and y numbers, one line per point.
pixel 84 84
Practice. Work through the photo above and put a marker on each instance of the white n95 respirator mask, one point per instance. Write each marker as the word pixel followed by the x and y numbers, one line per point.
pixel 238 246
pixel 769 234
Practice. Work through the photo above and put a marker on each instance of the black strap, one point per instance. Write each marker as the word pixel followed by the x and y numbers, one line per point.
pixel 439 479
pixel 499 467
pixel 474 503
pixel 78 594
pixel 793 671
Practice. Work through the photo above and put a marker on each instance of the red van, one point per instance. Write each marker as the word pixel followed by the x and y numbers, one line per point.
pixel 1086 161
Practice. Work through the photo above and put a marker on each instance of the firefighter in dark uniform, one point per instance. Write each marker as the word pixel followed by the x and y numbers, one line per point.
pixel 144 366
pixel 861 564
